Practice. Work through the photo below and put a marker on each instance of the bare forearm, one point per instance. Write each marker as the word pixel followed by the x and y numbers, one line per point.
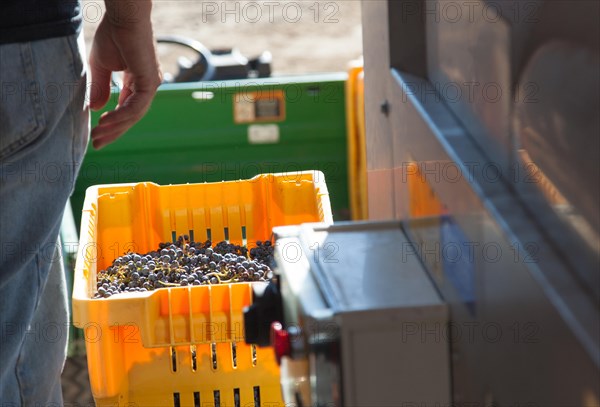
pixel 123 42
pixel 128 13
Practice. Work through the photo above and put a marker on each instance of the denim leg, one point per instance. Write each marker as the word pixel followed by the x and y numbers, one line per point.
pixel 44 127
pixel 45 346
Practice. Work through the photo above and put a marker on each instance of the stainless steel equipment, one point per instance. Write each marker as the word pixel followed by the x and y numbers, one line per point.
pixel 358 330
pixel 483 143
pixel 491 110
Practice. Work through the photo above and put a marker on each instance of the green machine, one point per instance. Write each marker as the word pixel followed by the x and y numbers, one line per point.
pixel 214 131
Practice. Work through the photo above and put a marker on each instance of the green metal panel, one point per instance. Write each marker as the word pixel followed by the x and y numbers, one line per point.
pixel 186 140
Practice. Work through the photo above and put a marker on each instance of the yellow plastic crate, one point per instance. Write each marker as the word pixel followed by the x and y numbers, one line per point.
pixel 357 148
pixel 182 346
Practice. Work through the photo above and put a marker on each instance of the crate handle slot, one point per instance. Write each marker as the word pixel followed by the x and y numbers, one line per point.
pixel 213 348
pixel 226 233
pixel 176 401
pixel 217 397
pixel 236 397
pixel 254 359
pixel 173 360
pixel 256 396
pixel 196 399
pixel 234 354
pixel 194 361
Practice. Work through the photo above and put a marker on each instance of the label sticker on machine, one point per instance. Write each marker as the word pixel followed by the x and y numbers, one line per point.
pixel 263 134
pixel 256 107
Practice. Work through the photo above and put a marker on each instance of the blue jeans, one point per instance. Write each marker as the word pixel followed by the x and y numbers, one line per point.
pixel 44 130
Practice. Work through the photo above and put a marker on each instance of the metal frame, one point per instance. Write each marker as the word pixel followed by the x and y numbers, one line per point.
pixel 542 292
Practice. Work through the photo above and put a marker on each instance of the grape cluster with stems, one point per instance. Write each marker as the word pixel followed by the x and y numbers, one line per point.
pixel 263 252
pixel 185 263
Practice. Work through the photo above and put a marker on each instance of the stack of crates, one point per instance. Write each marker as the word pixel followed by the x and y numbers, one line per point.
pixel 182 346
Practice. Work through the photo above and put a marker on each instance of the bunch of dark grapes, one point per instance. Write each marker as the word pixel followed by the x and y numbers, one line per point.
pixel 263 252
pixel 184 263
pixel 224 248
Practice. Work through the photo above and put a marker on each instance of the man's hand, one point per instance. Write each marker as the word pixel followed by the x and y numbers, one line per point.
pixel 123 42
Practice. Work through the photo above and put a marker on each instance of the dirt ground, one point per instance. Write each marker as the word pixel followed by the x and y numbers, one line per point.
pixel 303 36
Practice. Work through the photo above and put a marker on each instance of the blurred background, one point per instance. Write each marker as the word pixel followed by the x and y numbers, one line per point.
pixel 303 36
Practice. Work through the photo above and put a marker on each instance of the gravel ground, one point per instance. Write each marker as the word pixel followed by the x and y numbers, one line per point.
pixel 303 36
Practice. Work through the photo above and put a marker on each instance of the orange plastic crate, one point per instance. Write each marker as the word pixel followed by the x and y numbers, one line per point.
pixel 176 346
